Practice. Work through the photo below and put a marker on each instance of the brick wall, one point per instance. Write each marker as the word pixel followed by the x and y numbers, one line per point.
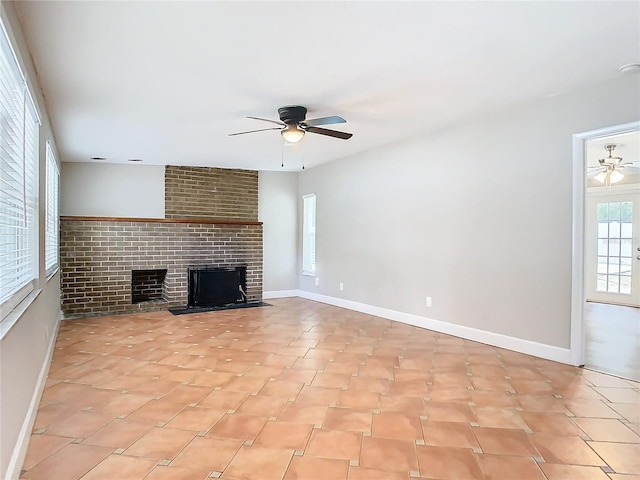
pixel 202 192
pixel 97 257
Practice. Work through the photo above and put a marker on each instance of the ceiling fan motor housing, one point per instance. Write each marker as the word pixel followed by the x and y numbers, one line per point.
pixel 292 114
pixel 293 126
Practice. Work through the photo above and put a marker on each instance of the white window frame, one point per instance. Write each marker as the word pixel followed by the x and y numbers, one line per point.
pixel 52 222
pixel 19 163
pixel 309 234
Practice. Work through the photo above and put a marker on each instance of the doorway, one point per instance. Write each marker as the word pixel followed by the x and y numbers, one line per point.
pixel 612 218
pixel 606 295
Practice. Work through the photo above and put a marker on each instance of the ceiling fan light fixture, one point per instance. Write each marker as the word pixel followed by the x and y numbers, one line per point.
pixel 610 174
pixel 610 160
pixel 292 133
pixel 601 177
pixel 615 176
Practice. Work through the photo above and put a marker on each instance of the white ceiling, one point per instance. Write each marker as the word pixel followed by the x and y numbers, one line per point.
pixel 166 82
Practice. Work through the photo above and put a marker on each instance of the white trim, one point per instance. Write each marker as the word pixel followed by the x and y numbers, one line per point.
pixel 577 252
pixel 549 352
pixel 8 320
pixel 280 294
pixel 52 273
pixel 576 348
pixel 22 442
pixel 614 190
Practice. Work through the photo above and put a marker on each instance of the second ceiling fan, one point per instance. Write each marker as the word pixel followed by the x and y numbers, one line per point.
pixel 293 125
pixel 609 170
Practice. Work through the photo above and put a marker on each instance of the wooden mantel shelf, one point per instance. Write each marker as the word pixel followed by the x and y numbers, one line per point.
pixel 207 221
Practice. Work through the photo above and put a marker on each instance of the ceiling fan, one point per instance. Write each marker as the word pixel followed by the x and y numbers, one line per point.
pixel 609 170
pixel 293 126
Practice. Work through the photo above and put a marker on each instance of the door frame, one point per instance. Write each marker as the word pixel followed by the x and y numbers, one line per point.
pixel 578 294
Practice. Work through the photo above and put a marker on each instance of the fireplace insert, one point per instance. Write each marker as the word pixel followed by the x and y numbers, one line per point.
pixel 215 287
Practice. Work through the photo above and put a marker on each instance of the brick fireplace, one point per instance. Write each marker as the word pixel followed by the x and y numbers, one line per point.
pixel 125 265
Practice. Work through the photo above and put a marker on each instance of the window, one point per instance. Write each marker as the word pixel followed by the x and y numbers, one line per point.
pixel 52 226
pixel 309 234
pixel 18 181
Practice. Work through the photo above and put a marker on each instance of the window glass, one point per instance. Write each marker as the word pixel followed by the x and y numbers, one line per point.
pixel 309 234
pixel 19 128
pixel 52 225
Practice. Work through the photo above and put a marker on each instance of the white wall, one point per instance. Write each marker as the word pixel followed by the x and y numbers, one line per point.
pixel 477 216
pixel 112 190
pixel 278 210
pixel 25 348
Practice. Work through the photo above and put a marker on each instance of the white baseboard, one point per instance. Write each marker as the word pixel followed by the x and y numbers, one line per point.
pixel 22 442
pixel 549 352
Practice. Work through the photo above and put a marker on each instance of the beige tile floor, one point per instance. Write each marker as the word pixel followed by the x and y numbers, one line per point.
pixel 303 390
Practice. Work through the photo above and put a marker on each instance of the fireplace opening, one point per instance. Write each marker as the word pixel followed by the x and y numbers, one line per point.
pixel 148 285
pixel 215 287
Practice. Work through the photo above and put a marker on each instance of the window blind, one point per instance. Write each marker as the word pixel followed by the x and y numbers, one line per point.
pixel 52 225
pixel 18 181
pixel 309 234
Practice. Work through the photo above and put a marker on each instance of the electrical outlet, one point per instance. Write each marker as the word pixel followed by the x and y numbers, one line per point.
pixel 341 286
pixel 428 302
pixel 317 282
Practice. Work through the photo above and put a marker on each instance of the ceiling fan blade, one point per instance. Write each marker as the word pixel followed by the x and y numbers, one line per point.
pixel 324 121
pixel 253 131
pixel 330 133
pixel 267 120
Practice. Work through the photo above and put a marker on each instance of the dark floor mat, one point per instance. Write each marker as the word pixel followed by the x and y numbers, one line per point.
pixel 233 306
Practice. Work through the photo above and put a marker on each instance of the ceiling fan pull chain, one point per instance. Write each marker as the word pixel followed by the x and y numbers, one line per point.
pixel 303 155
pixel 282 154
